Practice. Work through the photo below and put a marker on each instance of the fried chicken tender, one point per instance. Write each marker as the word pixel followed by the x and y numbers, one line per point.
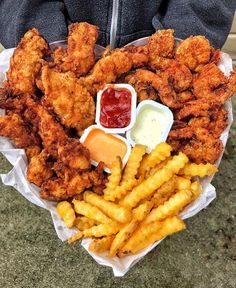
pixel 79 56
pixel 49 130
pixel 161 49
pixel 40 168
pixel 194 52
pixel 211 83
pixel 69 100
pixel 58 189
pixel 13 127
pixel 26 62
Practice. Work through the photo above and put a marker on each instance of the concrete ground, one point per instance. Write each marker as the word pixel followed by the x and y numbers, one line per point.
pixel 204 255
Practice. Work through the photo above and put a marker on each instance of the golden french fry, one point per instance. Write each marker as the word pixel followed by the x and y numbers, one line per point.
pixel 121 190
pixel 196 190
pixel 91 212
pixel 67 213
pixel 82 223
pixel 122 236
pixel 158 154
pixel 101 245
pixel 97 231
pixel 141 212
pixel 148 186
pixel 115 177
pixel 201 170
pixel 163 193
pixel 148 234
pixel 182 183
pixel 171 207
pixel 133 163
pixel 150 172
pixel 114 211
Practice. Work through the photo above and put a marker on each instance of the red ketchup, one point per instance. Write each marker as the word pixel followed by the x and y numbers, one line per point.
pixel 115 107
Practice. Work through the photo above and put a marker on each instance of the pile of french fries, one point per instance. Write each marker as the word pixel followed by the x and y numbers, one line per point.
pixel 140 204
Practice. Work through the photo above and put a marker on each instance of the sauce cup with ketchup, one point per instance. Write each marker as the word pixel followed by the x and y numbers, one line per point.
pixel 116 108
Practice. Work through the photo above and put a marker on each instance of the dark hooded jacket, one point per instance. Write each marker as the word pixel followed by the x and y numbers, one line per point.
pixel 135 19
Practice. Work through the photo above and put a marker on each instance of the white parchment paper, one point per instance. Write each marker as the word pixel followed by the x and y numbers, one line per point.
pixel 17 179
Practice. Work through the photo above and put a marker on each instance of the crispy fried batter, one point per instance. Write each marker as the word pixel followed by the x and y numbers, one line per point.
pixel 203 148
pixel 26 62
pixel 178 76
pixel 69 100
pixel 40 168
pixel 194 52
pixel 160 84
pixel 211 83
pixel 161 49
pixel 79 56
pixel 13 127
pixel 143 89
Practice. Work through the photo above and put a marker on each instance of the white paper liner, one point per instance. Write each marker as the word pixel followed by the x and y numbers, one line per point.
pixel 17 179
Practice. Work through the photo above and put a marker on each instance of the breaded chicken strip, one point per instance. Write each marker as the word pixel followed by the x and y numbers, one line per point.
pixel 68 99
pixel 13 127
pixel 26 63
pixel 79 56
pixel 40 168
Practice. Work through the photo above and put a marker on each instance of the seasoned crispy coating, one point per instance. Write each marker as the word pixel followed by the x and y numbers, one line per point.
pixel 26 62
pixel 48 128
pixel 194 52
pixel 79 56
pixel 107 70
pixel 69 100
pixel 143 89
pixel 40 168
pixel 161 49
pixel 166 93
pixel 13 127
pixel 203 148
pixel 211 84
pixel 178 76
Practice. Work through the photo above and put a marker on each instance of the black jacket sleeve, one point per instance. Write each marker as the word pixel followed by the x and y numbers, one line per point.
pixel 17 16
pixel 212 18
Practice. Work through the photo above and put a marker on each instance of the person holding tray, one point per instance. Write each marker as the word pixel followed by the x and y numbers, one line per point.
pixel 119 21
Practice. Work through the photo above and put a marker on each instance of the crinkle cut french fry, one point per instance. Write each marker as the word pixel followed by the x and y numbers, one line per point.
pixel 101 245
pixel 158 154
pixel 133 163
pixel 67 213
pixel 121 190
pixel 141 212
pixel 171 207
pixel 97 231
pixel 156 168
pixel 122 236
pixel 88 210
pixel 182 183
pixel 115 177
pixel 114 211
pixel 196 189
pixel 148 186
pixel 148 234
pixel 164 192
pixel 201 170
pixel 82 223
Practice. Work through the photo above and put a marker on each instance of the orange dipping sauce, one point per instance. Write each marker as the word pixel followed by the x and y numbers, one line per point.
pixel 104 147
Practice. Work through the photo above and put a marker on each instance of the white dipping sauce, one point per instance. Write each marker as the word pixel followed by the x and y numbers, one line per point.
pixel 149 127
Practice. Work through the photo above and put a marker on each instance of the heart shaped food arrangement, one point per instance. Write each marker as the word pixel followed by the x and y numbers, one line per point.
pixel 165 99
